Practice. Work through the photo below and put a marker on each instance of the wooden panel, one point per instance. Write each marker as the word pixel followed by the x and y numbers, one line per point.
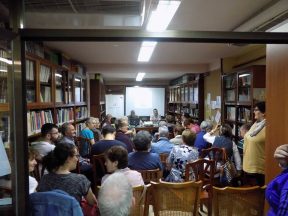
pixel 277 105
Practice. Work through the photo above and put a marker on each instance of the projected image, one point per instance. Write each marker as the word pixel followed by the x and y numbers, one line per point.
pixel 143 98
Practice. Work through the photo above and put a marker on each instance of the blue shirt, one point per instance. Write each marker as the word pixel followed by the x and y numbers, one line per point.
pixel 200 143
pixel 88 134
pixel 103 145
pixel 163 145
pixel 144 161
pixel 277 195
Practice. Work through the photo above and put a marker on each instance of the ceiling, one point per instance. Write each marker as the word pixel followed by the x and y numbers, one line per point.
pixel 117 61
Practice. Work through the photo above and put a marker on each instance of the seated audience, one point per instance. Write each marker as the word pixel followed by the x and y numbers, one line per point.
pixel 181 155
pixel 107 142
pixel 277 189
pixel 31 165
pixel 49 135
pixel 96 130
pixel 123 134
pixel 190 124
pixel 163 145
pixel 178 130
pixel 200 143
pixel 116 160
pixel 88 134
pixel 115 196
pixel 170 119
pixel 141 158
pixel 59 163
pixel 69 133
pixel 155 117
pixel 106 121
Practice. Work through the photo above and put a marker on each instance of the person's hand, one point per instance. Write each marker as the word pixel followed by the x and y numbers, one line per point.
pixel 216 128
pixel 281 154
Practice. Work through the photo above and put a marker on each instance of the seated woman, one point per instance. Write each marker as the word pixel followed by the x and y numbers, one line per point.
pixel 87 133
pixel 116 160
pixel 277 189
pixel 59 163
pixel 31 164
pixel 181 155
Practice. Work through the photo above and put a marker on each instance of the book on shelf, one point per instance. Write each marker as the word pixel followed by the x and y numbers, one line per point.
pixel 77 94
pixel 30 95
pixel 45 94
pixel 244 114
pixel 59 95
pixel 5 127
pixel 195 96
pixel 230 95
pixel 35 120
pixel 81 112
pixel 3 90
pixel 45 73
pixel 231 113
pixel 65 115
pixel 30 68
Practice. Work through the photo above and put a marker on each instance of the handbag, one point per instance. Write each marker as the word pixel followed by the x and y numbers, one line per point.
pixel 229 169
pixel 89 210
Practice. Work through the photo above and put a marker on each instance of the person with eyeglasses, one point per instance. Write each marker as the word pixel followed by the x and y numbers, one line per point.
pixel 254 148
pixel 46 143
pixel 59 164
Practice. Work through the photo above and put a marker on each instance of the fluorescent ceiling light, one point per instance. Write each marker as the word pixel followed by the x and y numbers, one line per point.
pixel 58 75
pixel 161 17
pixel 7 61
pixel 140 76
pixel 146 51
pixel 243 75
pixel 77 80
pixel 1 70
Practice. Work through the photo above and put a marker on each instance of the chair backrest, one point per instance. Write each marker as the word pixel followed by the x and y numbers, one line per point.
pixel 139 194
pixel 151 175
pixel 238 201
pixel 80 141
pixel 99 169
pixel 200 169
pixel 163 158
pixel 175 198
pixel 216 154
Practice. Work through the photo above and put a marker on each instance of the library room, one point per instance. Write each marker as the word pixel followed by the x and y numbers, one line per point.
pixel 143 108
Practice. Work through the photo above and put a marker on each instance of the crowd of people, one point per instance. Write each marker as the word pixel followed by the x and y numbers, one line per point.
pixel 126 151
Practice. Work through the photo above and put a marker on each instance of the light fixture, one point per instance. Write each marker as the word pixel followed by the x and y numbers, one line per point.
pixel 140 76
pixel 77 80
pixel 1 70
pixel 58 75
pixel 7 61
pixel 243 75
pixel 146 51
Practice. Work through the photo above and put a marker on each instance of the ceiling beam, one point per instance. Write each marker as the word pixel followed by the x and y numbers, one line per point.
pixel 166 36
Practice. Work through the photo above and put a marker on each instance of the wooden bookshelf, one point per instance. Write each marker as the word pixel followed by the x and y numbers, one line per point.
pixel 241 89
pixel 55 93
pixel 188 98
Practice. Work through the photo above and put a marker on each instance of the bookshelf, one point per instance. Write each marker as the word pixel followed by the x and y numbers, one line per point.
pixel 56 93
pixel 188 98
pixel 241 89
pixel 97 97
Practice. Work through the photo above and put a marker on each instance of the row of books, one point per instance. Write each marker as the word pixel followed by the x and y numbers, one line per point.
pixel 45 73
pixel 81 112
pixel 35 48
pixel 30 68
pixel 35 120
pixel 3 65
pixel 3 90
pixel 79 127
pixel 65 115
pixel 45 94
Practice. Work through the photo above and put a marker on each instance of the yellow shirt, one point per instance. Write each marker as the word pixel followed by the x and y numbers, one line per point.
pixel 254 152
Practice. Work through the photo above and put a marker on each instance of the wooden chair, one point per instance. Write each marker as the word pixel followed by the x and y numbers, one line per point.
pixel 163 158
pixel 202 170
pixel 238 201
pixel 79 141
pixel 98 167
pixel 139 194
pixel 151 175
pixel 175 198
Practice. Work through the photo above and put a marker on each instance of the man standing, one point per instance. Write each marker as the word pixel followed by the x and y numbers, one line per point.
pixel 49 135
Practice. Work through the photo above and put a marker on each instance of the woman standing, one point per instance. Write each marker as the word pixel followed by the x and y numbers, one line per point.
pixel 59 163
pixel 254 148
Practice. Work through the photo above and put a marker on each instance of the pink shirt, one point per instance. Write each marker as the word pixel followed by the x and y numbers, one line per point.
pixel 134 177
pixel 195 128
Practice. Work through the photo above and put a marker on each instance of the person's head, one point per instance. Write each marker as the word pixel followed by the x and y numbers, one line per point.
pixel 188 123
pixel 188 137
pixel 97 122
pixel 244 129
pixel 185 116
pixel 116 158
pixel 50 132
pixel 91 123
pixel 170 119
pixel 132 113
pixel 115 196
pixel 155 112
pixel 178 130
pixel 108 130
pixel 123 125
pixel 108 118
pixel 68 130
pixel 225 130
pixel 163 131
pixel 63 155
pixel 32 155
pixel 206 126
pixel 142 141
pixel 162 123
pixel 259 111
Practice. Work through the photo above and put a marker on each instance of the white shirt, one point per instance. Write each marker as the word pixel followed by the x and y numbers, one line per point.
pixel 32 184
pixel 43 147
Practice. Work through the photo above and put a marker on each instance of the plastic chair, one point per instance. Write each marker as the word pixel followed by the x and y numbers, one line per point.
pixel 151 175
pixel 175 198
pixel 238 201
pixel 98 167
pixel 202 170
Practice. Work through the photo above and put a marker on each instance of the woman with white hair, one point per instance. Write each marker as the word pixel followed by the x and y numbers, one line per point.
pixel 87 133
pixel 200 143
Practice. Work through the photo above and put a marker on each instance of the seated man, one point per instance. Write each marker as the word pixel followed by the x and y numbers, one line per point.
pixel 107 142
pixel 133 119
pixel 141 158
pixel 155 117
pixel 163 145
